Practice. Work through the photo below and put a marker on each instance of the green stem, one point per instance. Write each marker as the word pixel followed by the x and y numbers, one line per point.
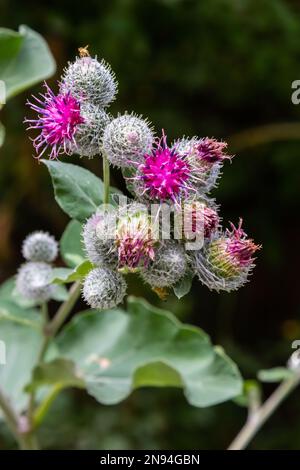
pixel 259 417
pixel 25 440
pixel 29 442
pixel 50 331
pixel 44 310
pixel 41 411
pixel 9 414
pixel 106 179
pixel 63 310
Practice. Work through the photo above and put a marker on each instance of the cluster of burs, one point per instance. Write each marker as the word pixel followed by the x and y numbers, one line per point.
pixel 180 174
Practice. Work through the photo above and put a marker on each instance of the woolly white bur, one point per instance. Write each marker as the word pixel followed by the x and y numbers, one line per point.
pixel 89 80
pixel 168 267
pixel 104 288
pixel 40 246
pixel 88 137
pixel 32 281
pixel 126 139
pixel 99 246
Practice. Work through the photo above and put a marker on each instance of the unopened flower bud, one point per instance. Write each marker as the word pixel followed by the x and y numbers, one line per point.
pixel 33 281
pixel 88 136
pixel 168 267
pixel 40 246
pixel 126 139
pixel 89 80
pixel 104 288
pixel 99 240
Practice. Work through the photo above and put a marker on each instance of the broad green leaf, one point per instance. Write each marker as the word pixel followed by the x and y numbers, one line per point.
pixel 71 244
pixel 59 372
pixel 29 62
pixel 7 288
pixel 8 292
pixel 10 45
pixel 117 351
pixel 22 339
pixel 13 312
pixel 60 293
pixel 77 191
pixel 61 275
pixel 157 374
pixel 2 132
pixel 65 275
pixel 183 286
pixel 277 374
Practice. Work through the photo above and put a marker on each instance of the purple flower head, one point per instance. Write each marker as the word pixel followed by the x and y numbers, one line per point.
pixel 164 173
pixel 134 239
pixel 199 217
pixel 211 151
pixel 58 118
pixel 240 248
pixel 211 221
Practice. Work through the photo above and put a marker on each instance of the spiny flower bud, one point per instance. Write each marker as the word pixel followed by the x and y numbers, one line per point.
pixel 226 261
pixel 40 246
pixel 88 136
pixel 32 281
pixel 90 80
pixel 127 138
pixel 134 238
pixel 98 240
pixel 104 288
pixel 207 155
pixel 168 266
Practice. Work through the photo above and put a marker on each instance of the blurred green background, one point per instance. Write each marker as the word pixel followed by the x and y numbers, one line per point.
pixel 209 67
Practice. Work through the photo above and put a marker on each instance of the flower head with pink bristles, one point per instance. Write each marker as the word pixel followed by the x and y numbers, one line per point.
pixel 134 240
pixel 58 119
pixel 207 155
pixel 226 261
pixel 177 234
pixel 165 175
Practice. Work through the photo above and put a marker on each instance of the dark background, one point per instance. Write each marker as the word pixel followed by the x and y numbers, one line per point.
pixel 210 67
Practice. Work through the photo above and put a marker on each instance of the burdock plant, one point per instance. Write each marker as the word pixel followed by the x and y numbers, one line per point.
pixel 168 233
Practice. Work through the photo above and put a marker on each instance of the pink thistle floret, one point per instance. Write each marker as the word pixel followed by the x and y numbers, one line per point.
pixel 134 240
pixel 58 119
pixel 239 247
pixel 164 172
pixel 200 217
pixel 211 221
pixel 211 151
pixel 134 251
